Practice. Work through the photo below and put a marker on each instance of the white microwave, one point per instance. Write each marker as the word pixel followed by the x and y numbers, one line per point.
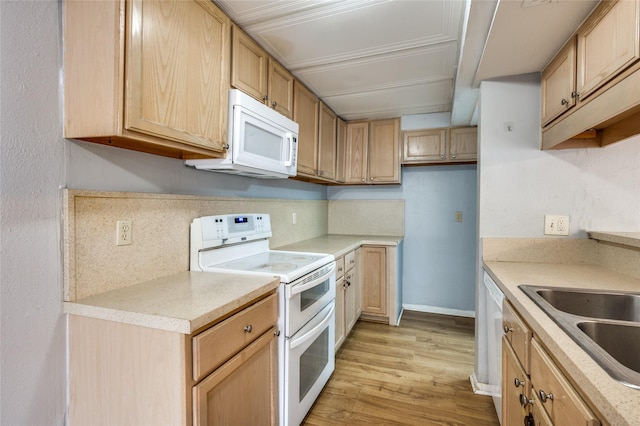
pixel 262 142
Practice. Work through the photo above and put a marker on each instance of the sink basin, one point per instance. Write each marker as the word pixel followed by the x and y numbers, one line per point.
pixel 594 304
pixel 605 324
pixel 621 341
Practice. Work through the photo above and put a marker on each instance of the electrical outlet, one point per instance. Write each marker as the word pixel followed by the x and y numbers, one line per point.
pixel 123 233
pixel 458 216
pixel 556 225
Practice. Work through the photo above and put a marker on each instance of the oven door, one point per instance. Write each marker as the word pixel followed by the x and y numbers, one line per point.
pixel 307 296
pixel 310 362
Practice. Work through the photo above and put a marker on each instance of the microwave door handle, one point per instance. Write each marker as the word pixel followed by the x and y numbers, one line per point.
pixel 313 332
pixel 302 287
pixel 290 160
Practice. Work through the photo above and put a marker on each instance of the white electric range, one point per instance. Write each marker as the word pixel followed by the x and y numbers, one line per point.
pixel 240 243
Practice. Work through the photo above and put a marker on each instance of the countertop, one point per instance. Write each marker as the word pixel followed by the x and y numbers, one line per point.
pixel 182 302
pixel 619 404
pixel 338 245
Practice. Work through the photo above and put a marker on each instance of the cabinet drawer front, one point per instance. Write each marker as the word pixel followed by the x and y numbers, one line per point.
pixel 349 260
pixel 339 267
pixel 566 406
pixel 517 333
pixel 214 346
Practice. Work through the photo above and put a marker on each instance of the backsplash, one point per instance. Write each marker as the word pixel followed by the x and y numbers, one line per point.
pixel 160 233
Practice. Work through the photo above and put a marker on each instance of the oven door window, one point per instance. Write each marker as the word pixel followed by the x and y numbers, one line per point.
pixel 313 362
pixel 309 297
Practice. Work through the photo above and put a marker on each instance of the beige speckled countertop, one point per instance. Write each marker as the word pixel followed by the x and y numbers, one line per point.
pixel 619 404
pixel 182 302
pixel 339 245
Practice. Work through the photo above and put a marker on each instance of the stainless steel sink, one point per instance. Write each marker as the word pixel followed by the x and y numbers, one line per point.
pixel 594 304
pixel 605 324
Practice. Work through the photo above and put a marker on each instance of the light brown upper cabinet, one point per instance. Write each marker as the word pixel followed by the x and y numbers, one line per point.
pixel 437 146
pixel 306 107
pixel 256 73
pixel 372 152
pixel 340 150
pixel 148 76
pixel 608 42
pixel 596 101
pixel 328 122
pixel 559 83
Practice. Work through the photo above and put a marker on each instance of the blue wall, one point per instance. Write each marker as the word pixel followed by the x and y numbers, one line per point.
pixel 439 253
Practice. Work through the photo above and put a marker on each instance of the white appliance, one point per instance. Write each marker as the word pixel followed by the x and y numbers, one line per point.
pixel 306 318
pixel 262 142
pixel 487 377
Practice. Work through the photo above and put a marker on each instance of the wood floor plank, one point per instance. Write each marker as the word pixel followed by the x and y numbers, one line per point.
pixel 413 374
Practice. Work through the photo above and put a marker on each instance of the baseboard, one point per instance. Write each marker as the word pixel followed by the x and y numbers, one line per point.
pixel 438 310
pixel 483 388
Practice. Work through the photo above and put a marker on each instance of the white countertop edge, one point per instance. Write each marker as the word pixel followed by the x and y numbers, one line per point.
pixel 159 322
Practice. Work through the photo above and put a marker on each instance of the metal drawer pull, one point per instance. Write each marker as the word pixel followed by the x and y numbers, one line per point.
pixel 545 396
pixel 517 382
pixel 248 328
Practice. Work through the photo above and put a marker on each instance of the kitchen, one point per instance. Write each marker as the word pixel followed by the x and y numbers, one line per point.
pixel 519 185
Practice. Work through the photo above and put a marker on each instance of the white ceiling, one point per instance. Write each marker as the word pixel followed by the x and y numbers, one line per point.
pixel 388 58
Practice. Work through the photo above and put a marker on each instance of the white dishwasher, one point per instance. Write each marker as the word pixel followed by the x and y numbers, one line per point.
pixel 487 377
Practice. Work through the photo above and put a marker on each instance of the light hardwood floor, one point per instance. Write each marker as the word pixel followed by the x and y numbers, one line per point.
pixel 414 374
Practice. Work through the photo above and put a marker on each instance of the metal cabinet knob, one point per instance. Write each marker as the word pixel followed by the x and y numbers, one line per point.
pixel 363 180
pixel 575 94
pixel 453 156
pixel 524 401
pixel 274 104
pixel 507 329
pixel 442 157
pixel 225 146
pixel 564 102
pixel 544 396
pixel 248 328
pixel 265 98
pixel 517 382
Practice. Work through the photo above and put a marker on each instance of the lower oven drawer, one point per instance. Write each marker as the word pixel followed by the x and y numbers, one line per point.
pixel 214 346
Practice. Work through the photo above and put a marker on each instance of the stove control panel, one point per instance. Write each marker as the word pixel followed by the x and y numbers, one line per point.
pixel 214 231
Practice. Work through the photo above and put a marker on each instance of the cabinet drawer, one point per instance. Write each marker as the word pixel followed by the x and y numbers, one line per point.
pixel 517 333
pixel 339 267
pixel 214 346
pixel 565 406
pixel 349 260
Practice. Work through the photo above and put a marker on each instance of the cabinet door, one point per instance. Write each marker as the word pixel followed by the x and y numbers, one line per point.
pixel 463 144
pixel 558 83
pixel 327 143
pixel 351 307
pixel 559 399
pixel 341 145
pixel 280 89
pixel 243 391
pixel 424 146
pixel 516 387
pixel 357 282
pixel 248 65
pixel 356 151
pixel 177 61
pixel 384 151
pixel 517 334
pixel 608 42
pixel 340 312
pixel 305 112
pixel 374 280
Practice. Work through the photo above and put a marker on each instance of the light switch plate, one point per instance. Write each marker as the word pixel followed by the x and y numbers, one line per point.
pixel 556 224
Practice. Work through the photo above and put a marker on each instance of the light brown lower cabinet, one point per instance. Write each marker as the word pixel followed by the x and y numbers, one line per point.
pixel 225 373
pixel 375 283
pixel 348 296
pixel 536 388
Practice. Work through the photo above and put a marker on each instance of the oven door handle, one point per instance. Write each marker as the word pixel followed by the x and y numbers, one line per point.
pixel 312 334
pixel 295 289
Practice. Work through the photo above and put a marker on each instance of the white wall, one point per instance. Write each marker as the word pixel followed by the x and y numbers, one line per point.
pixel 439 253
pixel 32 328
pixel 598 188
